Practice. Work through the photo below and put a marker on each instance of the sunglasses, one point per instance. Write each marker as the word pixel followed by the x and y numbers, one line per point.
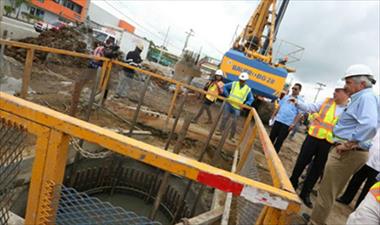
pixel 295 89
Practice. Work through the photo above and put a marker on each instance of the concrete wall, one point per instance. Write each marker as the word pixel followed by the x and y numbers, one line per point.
pixel 50 17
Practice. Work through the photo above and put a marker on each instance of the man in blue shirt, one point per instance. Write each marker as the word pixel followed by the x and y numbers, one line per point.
pixel 353 134
pixel 285 116
pixel 238 93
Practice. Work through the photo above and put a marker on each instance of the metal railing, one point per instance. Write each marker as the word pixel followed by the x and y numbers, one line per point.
pixel 53 131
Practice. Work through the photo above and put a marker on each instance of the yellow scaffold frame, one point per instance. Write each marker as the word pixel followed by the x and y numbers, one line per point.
pixel 53 130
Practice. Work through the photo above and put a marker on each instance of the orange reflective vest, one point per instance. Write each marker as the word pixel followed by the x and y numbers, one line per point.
pixel 323 122
pixel 214 88
pixel 375 190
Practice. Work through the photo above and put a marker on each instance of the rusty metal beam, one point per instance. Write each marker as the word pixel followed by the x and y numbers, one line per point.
pixel 176 150
pixel 27 73
pixel 141 99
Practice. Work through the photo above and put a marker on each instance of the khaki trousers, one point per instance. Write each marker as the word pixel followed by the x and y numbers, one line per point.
pixel 338 170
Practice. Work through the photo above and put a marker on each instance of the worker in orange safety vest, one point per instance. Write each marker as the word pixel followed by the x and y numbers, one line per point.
pixel 316 147
pixel 215 87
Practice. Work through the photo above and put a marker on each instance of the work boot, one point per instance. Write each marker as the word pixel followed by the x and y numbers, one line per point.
pixel 218 132
pixel 194 121
pixel 342 201
pixel 306 200
pixel 233 140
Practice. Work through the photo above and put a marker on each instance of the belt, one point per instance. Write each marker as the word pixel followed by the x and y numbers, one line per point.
pixel 359 149
pixel 353 149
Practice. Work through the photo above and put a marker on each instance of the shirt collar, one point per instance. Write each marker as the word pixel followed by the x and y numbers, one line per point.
pixel 360 93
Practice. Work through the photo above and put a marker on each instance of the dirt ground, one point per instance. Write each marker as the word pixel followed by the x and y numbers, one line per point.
pixel 288 155
pixel 52 86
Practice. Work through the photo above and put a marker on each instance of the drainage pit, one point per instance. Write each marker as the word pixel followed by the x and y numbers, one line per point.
pixel 133 185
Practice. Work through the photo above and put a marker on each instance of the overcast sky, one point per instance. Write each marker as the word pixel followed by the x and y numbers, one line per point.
pixel 335 34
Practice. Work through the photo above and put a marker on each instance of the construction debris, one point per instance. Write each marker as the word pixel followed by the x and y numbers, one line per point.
pixel 66 38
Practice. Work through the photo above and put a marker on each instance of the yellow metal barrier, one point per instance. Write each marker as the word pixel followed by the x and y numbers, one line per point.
pixel 53 130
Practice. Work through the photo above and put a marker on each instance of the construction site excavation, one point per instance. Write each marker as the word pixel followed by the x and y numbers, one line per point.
pixel 99 125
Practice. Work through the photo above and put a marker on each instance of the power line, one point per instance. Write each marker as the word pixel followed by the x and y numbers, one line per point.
pixel 149 31
pixel 141 26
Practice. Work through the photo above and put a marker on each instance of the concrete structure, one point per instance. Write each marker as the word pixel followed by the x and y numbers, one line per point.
pixel 52 10
pixel 101 16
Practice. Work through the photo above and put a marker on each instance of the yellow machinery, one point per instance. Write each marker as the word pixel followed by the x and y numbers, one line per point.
pixel 253 48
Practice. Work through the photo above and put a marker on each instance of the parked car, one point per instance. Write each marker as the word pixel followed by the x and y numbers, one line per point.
pixel 41 26
pixel 58 25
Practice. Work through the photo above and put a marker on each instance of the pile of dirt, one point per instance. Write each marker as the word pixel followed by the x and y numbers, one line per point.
pixel 161 83
pixel 66 38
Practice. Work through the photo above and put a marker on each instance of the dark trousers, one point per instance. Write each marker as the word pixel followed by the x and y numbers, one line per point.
pixel 365 173
pixel 278 134
pixel 313 150
pixel 205 106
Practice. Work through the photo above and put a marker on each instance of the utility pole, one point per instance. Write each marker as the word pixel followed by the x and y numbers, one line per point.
pixel 199 55
pixel 319 88
pixel 163 45
pixel 189 34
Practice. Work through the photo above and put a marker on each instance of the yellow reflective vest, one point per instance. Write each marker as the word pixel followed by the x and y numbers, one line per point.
pixel 214 88
pixel 323 122
pixel 375 190
pixel 238 94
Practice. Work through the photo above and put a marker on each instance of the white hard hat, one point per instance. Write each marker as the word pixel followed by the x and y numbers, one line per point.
pixel 140 46
pixel 243 76
pixel 359 70
pixel 219 73
pixel 339 84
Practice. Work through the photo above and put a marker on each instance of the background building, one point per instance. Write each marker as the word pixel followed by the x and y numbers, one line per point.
pixel 49 10
pixel 100 16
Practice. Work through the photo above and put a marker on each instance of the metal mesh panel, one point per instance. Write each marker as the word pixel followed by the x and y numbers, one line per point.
pixel 11 147
pixel 245 211
pixel 79 208
pixel 248 212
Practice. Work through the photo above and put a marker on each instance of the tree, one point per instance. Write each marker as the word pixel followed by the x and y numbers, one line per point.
pixel 18 4
pixel 8 9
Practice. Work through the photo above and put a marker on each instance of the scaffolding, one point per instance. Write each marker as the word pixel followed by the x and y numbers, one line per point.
pixel 54 130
